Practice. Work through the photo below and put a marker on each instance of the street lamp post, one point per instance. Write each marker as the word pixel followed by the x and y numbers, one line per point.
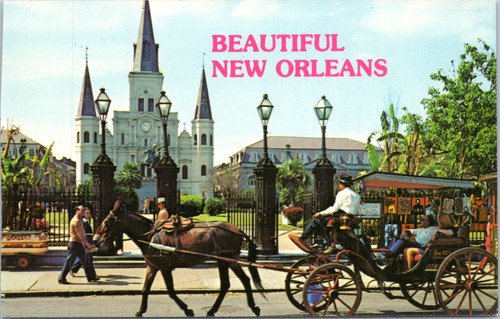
pixel 324 171
pixel 103 169
pixel 166 171
pixel 266 221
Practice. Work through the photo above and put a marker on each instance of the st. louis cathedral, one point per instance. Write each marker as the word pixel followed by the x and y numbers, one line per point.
pixel 139 128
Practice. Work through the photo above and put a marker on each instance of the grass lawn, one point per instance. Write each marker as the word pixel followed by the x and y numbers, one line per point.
pixel 223 217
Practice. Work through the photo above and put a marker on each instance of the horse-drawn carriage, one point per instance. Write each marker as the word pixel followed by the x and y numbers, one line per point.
pixel 461 280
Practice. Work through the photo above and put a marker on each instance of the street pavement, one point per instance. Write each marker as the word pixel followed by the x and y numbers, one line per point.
pixel 123 280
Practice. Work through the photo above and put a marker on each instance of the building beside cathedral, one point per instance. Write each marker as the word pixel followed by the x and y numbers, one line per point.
pixel 139 128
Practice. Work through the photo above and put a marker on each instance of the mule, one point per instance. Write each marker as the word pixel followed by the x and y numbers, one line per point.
pixel 212 238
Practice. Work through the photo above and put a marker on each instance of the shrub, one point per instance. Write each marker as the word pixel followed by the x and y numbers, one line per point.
pixel 293 214
pixel 214 206
pixel 190 205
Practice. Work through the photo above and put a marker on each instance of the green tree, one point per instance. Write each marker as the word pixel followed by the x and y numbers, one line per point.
pixel 461 115
pixel 128 179
pixel 292 177
pixel 390 139
pixel 130 176
pixel 86 187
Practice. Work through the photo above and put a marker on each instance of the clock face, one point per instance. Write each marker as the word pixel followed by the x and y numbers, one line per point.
pixel 146 126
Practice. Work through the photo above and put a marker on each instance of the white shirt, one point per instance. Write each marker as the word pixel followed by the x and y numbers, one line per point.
pixel 423 235
pixel 346 200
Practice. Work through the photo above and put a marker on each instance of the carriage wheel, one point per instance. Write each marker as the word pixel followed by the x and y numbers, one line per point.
pixel 332 289
pixel 421 295
pixel 23 261
pixel 467 283
pixel 294 282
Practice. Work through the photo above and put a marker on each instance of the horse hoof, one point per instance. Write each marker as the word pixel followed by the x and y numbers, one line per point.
pixel 256 311
pixel 138 314
pixel 210 314
pixel 189 313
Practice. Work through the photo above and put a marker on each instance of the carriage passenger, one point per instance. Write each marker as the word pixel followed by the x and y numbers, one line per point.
pixel 422 236
pixel 445 222
pixel 163 214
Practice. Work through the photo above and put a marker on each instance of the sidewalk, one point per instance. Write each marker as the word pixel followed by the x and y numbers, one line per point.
pixel 128 277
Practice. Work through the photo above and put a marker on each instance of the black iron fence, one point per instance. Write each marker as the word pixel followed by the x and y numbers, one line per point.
pixel 241 212
pixel 49 211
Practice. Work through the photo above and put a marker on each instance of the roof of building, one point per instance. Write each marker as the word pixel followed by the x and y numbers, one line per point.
pixel 296 142
pixel 146 50
pixel 203 110
pixel 381 180
pixel 17 138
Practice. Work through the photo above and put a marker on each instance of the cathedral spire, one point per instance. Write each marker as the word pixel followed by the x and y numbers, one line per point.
pixel 146 50
pixel 86 104
pixel 203 110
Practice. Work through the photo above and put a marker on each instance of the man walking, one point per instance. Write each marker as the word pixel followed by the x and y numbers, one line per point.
pixel 87 227
pixel 76 247
pixel 145 205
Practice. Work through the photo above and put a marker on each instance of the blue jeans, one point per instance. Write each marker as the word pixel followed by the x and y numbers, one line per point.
pixel 75 250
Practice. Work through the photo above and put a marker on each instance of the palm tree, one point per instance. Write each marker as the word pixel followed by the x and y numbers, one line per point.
pixel 130 176
pixel 293 177
pixel 128 179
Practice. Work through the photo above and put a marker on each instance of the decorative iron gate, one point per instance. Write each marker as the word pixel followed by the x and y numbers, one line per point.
pixel 36 210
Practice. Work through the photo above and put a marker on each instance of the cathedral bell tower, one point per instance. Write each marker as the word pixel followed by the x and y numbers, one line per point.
pixel 87 129
pixel 202 127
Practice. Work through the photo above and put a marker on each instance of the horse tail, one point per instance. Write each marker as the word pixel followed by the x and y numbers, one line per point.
pixel 252 257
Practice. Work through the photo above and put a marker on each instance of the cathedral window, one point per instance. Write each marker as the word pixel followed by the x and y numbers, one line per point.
pixel 151 105
pixel 86 137
pixel 145 142
pixel 123 139
pixel 86 168
pixel 203 139
pixel 251 180
pixel 95 137
pixel 203 170
pixel 77 137
pixel 143 170
pixel 141 105
pixel 148 171
pixel 168 139
pixel 184 172
pixel 195 139
pixel 211 140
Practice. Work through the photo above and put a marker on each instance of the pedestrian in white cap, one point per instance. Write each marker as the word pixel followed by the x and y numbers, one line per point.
pixel 163 214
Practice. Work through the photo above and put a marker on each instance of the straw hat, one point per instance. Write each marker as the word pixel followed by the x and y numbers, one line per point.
pixel 161 200
pixel 445 221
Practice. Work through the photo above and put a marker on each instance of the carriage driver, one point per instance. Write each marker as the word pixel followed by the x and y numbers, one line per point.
pixel 163 214
pixel 346 202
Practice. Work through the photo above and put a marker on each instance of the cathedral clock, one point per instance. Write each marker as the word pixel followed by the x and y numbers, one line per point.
pixel 146 126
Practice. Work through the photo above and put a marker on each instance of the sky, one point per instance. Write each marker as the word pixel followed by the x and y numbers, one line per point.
pixel 43 61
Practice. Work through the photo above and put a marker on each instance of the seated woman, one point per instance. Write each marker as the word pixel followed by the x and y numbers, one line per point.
pixel 422 236
pixel 445 222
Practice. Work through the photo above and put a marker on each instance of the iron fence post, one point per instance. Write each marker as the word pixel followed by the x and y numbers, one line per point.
pixel 266 208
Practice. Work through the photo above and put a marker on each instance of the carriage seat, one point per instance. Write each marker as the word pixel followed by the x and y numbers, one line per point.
pixel 449 241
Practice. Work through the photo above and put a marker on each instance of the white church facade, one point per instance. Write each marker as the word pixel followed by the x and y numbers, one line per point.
pixel 139 128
